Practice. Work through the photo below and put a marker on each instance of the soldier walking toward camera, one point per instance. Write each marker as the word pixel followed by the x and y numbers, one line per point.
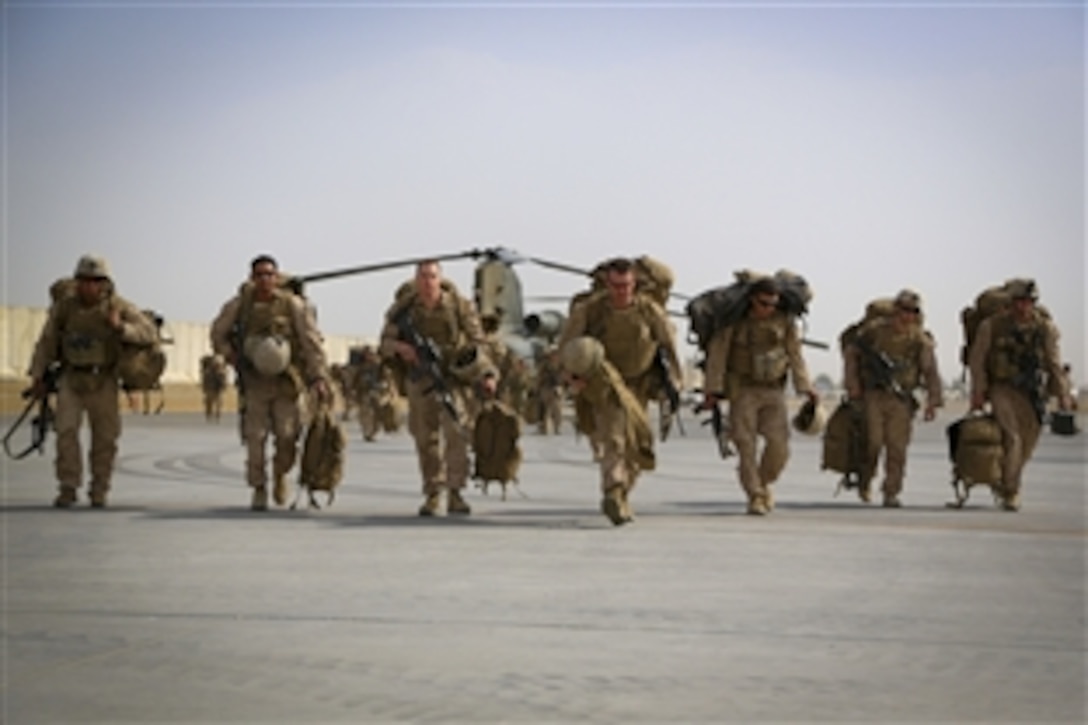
pixel 266 333
pixel 213 381
pixel 376 393
pixel 430 309
pixel 549 392
pixel 84 333
pixel 747 363
pixel 617 422
pixel 631 328
pixel 1015 362
pixel 884 362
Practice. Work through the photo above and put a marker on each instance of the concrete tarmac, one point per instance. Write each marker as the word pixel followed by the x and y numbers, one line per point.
pixel 178 604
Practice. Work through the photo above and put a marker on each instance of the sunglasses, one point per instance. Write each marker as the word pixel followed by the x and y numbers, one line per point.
pixel 912 310
pixel 763 302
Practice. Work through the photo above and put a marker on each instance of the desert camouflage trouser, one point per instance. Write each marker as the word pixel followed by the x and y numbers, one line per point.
pixel 430 424
pixel 368 406
pixel 889 421
pixel 551 410
pixel 269 410
pixel 1019 432
pixel 213 404
pixel 610 447
pixel 753 412
pixel 103 410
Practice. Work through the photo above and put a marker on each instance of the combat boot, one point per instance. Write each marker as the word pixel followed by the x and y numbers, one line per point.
pixel 1011 502
pixel 627 511
pixel 279 489
pixel 259 502
pixel 65 498
pixel 457 505
pixel 891 501
pixel 98 499
pixel 432 505
pixel 612 506
pixel 757 506
pixel 864 495
pixel 768 499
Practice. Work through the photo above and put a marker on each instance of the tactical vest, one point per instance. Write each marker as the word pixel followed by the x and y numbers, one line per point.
pixel 904 350
pixel 1011 345
pixel 757 354
pixel 627 335
pixel 442 324
pixel 272 318
pixel 87 340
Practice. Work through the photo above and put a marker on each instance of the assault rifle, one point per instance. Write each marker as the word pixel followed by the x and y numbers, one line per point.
pixel 1029 379
pixel 881 368
pixel 718 427
pixel 672 395
pixel 428 364
pixel 40 423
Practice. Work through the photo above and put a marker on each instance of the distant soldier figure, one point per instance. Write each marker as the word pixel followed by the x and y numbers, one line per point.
pixel 213 382
pixel 517 387
pixel 747 364
pixel 631 327
pixel 267 334
pixel 501 356
pixel 343 377
pixel 429 310
pixel 885 360
pixel 375 394
pixel 1015 363
pixel 84 333
pixel 549 392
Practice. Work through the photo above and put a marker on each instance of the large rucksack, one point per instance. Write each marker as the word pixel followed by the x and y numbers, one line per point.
pixel 653 278
pixel 845 444
pixel 988 302
pixel 495 445
pixel 721 307
pixel 977 455
pixel 140 367
pixel 323 450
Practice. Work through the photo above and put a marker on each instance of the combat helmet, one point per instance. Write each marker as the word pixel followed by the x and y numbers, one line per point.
pixel 91 267
pixel 582 356
pixel 270 355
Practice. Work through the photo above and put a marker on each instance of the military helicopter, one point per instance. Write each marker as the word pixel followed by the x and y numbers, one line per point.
pixel 496 290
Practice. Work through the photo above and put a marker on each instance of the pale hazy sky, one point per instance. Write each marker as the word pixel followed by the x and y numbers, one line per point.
pixel 868 146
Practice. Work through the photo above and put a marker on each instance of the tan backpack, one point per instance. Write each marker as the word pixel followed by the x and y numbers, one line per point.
pixel 653 278
pixel 495 444
pixel 988 302
pixel 975 448
pixel 323 452
pixel 845 442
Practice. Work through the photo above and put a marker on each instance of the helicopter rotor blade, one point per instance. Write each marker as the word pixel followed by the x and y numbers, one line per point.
pixel 382 266
pixel 559 266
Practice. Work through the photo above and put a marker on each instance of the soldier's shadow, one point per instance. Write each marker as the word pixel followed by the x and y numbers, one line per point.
pixel 582 518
